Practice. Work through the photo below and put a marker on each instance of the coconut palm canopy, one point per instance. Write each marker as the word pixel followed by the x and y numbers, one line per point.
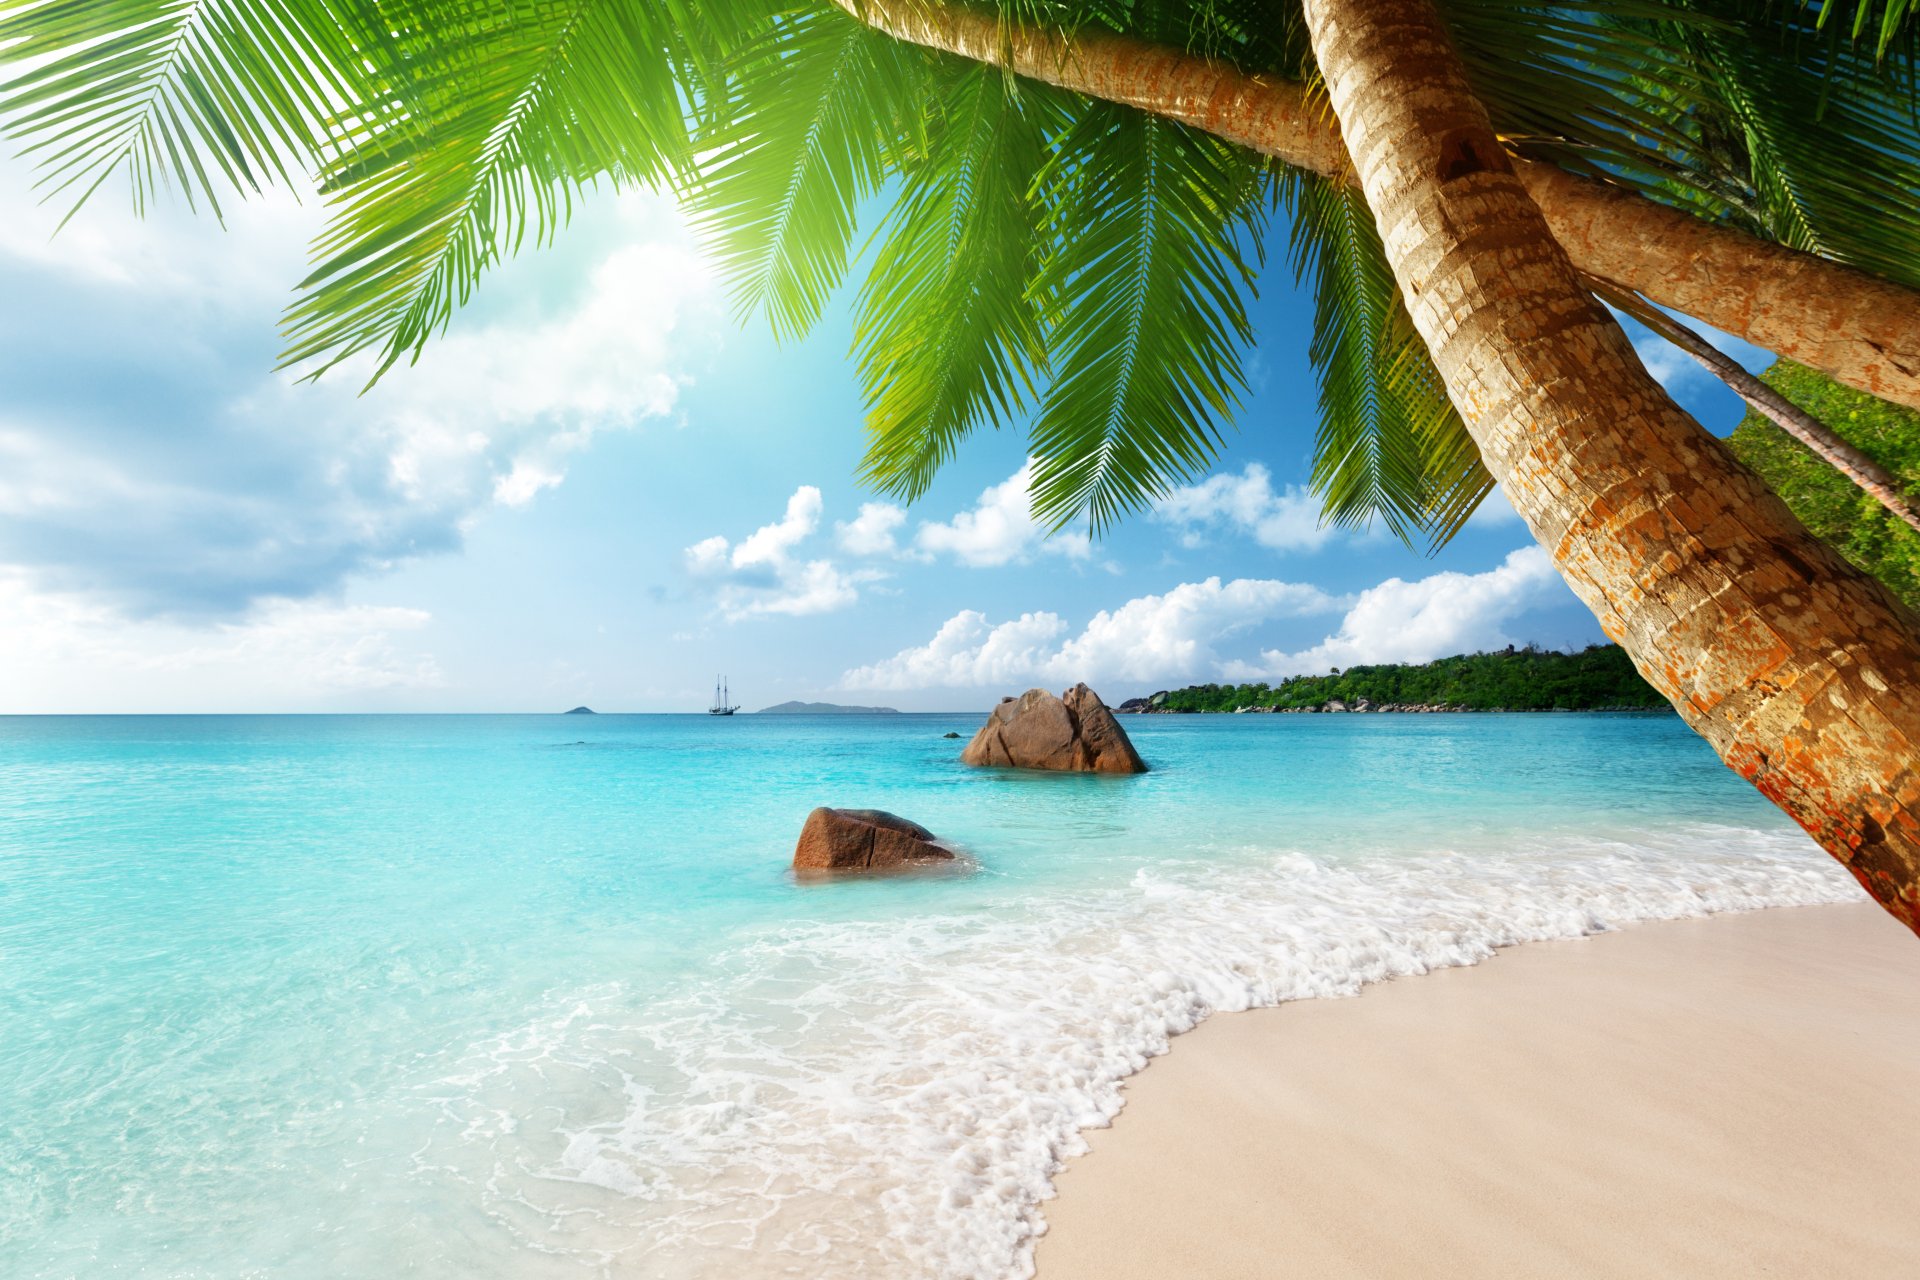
pixel 1037 255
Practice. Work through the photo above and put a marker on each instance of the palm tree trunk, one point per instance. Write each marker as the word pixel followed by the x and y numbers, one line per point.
pixel 1802 673
pixel 1829 445
pixel 1855 327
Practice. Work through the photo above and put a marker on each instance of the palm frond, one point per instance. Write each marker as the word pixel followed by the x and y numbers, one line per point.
pixel 206 96
pixel 1739 110
pixel 815 112
pixel 948 330
pixel 1390 445
pixel 1827 142
pixel 1143 294
pixel 1878 26
pixel 1569 82
pixel 512 108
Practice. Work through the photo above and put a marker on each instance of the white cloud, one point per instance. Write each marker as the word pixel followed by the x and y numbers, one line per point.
pixel 818 587
pixel 709 555
pixel 761 574
pixel 184 476
pixel 1153 638
pixel 1494 511
pixel 1178 637
pixel 770 544
pixel 66 651
pixel 1670 367
pixel 1247 504
pixel 968 651
pixel 871 532
pixel 1445 613
pixel 524 483
pixel 999 529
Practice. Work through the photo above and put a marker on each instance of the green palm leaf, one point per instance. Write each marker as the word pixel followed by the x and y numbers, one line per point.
pixel 948 330
pixel 512 108
pixel 1877 24
pixel 447 132
pixel 202 95
pixel 815 112
pixel 1390 445
pixel 1143 295
pixel 1824 139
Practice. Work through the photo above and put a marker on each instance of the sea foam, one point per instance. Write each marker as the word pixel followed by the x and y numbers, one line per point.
pixel 893 1098
pixel 361 996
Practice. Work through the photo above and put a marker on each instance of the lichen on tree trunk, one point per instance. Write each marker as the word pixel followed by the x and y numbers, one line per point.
pixel 1801 672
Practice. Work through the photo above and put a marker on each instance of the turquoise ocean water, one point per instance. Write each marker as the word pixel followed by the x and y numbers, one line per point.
pixel 534 996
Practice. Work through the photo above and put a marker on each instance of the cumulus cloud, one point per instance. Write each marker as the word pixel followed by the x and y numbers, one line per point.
pixel 1432 617
pixel 1246 504
pixel 968 650
pixel 1179 636
pixel 771 545
pixel 761 573
pixel 871 533
pixel 999 529
pixel 152 457
pixel 765 573
pixel 68 651
pixel 1152 638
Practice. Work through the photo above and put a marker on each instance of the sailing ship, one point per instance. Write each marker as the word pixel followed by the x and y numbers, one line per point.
pixel 722 702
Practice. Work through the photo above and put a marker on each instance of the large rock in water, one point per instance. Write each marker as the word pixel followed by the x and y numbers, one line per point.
pixel 1039 731
pixel 863 840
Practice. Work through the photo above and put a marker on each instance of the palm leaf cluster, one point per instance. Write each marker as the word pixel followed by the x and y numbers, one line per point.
pixel 209 98
pixel 1030 257
pixel 1041 255
pixel 1390 446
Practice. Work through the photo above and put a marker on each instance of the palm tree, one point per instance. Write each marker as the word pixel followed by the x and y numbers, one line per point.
pixel 1076 197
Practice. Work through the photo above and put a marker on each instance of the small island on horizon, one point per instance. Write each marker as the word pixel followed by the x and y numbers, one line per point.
pixel 824 709
pixel 580 711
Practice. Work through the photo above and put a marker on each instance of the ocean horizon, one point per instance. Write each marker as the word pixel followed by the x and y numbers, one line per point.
pixel 531 995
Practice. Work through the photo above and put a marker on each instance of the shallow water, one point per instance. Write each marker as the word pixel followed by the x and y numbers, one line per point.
pixel 533 996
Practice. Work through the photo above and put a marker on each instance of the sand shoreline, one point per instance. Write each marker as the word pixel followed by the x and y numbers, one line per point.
pixel 1737 1095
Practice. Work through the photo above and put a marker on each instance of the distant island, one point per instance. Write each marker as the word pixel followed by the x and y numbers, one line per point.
pixel 1597 678
pixel 823 709
pixel 581 711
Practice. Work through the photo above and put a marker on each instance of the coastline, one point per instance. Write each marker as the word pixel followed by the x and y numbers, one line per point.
pixel 667 1059
pixel 1732 1095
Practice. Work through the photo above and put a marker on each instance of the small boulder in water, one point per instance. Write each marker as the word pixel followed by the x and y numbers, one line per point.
pixel 949 735
pixel 1075 732
pixel 864 840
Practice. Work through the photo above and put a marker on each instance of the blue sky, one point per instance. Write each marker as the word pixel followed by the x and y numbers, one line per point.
pixel 600 488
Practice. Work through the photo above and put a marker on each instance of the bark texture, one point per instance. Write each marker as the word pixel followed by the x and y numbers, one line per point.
pixel 1802 673
pixel 1875 480
pixel 1850 325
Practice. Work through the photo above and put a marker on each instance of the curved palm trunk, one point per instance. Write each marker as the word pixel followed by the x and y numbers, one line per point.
pixel 1850 325
pixel 1832 448
pixel 1802 673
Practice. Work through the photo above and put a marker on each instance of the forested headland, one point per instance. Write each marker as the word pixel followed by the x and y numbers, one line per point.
pixel 1599 677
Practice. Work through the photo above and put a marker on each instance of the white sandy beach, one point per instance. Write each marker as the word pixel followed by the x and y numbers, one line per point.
pixel 1733 1096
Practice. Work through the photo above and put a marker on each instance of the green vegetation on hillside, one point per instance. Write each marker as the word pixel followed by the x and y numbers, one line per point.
pixel 1835 508
pixel 1529 679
